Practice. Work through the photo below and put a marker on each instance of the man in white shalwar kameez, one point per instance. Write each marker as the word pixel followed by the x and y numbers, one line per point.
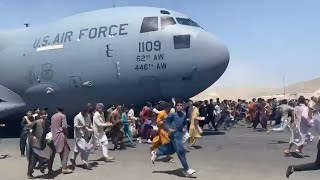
pixel 99 123
pixel 312 107
pixel 82 136
pixel 313 165
pixel 285 110
pixel 301 126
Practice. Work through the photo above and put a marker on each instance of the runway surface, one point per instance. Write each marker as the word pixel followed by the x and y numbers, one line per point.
pixel 240 154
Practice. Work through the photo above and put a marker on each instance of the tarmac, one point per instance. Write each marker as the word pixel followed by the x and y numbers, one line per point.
pixel 241 154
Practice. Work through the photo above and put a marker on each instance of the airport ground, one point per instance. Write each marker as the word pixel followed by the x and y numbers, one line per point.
pixel 240 154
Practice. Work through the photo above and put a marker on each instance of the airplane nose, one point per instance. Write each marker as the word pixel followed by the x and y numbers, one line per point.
pixel 215 53
pixel 213 56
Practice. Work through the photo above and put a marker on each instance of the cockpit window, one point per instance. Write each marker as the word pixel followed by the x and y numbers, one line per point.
pixel 187 22
pixel 167 21
pixel 149 24
pixel 181 41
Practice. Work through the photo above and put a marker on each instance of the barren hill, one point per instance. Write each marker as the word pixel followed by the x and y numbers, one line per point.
pixel 248 92
pixel 304 86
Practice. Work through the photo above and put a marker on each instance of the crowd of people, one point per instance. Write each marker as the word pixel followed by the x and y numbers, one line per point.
pixel 164 127
pixel 167 126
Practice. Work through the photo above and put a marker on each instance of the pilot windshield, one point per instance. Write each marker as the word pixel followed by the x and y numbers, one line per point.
pixel 187 22
pixel 167 21
pixel 149 24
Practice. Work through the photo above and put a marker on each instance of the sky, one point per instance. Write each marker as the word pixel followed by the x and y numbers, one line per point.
pixel 267 39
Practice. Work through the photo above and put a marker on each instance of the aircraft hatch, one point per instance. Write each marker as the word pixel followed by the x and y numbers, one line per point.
pixel 9 101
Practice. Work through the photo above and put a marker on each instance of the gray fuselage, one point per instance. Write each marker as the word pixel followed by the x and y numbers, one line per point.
pixel 109 56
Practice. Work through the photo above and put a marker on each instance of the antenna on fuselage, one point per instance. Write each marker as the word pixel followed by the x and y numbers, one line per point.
pixel 26 24
pixel 113 3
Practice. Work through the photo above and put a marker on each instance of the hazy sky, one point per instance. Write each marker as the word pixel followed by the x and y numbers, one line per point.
pixel 267 39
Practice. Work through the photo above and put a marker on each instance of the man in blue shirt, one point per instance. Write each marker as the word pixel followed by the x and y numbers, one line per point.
pixel 176 125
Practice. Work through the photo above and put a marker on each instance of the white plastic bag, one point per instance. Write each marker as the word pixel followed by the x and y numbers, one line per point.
pixel 185 137
pixel 155 127
pixel 49 136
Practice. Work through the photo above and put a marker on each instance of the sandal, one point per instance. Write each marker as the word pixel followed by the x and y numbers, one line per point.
pixel 286 153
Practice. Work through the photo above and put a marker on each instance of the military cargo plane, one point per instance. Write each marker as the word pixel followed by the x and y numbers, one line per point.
pixel 118 55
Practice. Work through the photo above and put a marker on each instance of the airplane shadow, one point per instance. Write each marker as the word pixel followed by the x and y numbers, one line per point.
pixel 177 172
pixel 212 133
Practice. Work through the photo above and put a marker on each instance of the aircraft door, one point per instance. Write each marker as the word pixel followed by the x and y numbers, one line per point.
pixel 151 88
pixel 112 58
pixel 40 80
pixel 41 73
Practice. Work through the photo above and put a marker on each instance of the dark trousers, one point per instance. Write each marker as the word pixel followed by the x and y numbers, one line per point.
pixel 23 143
pixel 175 146
pixel 221 119
pixel 256 122
pixel 277 119
pixel 202 123
pixel 212 120
pixel 310 166
pixel 34 158
pixel 146 131
pixel 260 119
pixel 242 116
pixel 117 136
pixel 32 161
pixel 188 125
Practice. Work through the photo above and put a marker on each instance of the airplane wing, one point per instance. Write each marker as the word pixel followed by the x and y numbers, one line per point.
pixel 9 101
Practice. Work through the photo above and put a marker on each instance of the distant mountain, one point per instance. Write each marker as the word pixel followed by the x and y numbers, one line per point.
pixel 248 92
pixel 304 86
